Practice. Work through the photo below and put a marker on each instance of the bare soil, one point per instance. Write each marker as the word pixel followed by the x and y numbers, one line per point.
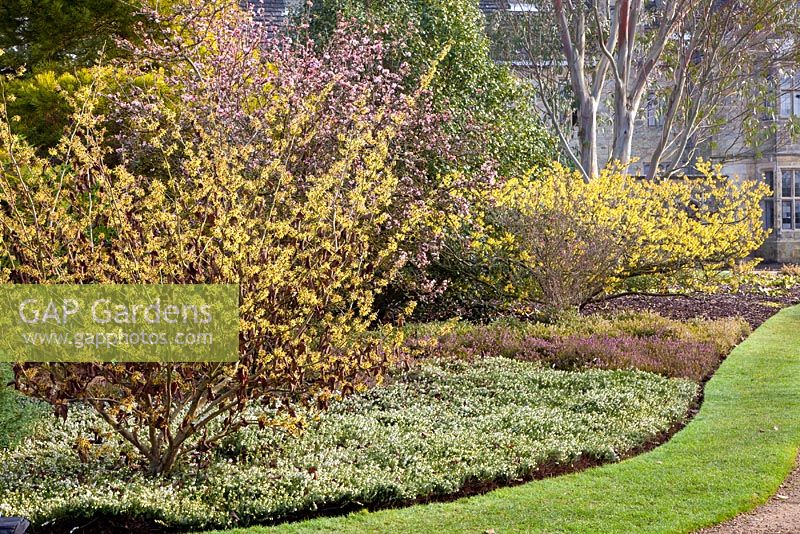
pixel 755 308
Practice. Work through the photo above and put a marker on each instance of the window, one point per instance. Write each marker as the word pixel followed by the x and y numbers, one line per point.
pixel 654 117
pixel 768 204
pixel 524 7
pixel 790 199
pixel 790 96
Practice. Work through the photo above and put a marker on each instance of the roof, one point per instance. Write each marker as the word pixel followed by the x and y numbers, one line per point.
pixel 274 12
pixel 490 6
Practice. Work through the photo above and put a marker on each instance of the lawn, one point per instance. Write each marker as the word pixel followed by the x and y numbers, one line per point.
pixel 729 459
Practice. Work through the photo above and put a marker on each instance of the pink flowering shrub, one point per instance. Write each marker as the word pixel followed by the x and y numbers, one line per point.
pixel 348 77
pixel 226 155
pixel 354 73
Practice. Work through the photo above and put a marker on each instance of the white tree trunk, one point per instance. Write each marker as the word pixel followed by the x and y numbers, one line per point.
pixel 624 124
pixel 588 138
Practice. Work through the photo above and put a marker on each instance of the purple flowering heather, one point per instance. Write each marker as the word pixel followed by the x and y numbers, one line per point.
pixel 675 358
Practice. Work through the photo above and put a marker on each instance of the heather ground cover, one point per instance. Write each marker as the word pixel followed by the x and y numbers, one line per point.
pixel 438 429
pixel 646 341
pixel 752 305
pixel 730 458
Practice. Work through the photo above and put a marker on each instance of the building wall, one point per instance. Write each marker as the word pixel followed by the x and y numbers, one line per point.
pixel 739 161
pixel 778 154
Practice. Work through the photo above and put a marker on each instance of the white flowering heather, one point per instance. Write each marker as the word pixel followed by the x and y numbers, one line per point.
pixel 431 432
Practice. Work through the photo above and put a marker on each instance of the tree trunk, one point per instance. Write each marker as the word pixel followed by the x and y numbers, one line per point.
pixel 588 138
pixel 624 119
pixel 162 462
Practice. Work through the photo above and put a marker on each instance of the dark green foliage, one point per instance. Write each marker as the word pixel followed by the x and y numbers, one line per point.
pixel 50 42
pixel 62 34
pixel 481 93
pixel 41 105
pixel 17 413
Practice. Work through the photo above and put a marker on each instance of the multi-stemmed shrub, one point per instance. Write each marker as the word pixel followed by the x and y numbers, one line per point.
pixel 580 240
pixel 242 158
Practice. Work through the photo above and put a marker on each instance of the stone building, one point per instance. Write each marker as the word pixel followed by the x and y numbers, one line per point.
pixel 777 163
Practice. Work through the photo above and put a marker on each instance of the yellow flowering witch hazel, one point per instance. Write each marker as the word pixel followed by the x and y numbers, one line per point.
pixel 219 172
pixel 582 240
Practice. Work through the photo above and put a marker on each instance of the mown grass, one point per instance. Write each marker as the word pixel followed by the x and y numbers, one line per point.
pixel 729 459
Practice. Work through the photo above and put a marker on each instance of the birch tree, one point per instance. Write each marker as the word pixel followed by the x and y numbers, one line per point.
pixel 722 75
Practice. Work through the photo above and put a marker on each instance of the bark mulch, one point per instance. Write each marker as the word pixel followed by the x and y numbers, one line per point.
pixel 755 308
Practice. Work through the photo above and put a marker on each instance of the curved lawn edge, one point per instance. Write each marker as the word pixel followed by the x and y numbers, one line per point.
pixel 729 459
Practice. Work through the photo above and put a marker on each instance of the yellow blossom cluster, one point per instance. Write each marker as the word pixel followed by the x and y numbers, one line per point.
pixel 309 250
pixel 580 240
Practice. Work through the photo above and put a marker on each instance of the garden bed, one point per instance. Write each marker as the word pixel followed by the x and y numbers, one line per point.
pixel 750 305
pixel 728 460
pixel 459 420
pixel 442 427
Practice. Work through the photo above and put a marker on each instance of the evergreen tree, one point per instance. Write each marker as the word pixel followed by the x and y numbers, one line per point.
pixel 63 34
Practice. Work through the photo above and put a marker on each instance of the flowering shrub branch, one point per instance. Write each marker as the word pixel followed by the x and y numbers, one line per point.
pixel 241 158
pixel 580 240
